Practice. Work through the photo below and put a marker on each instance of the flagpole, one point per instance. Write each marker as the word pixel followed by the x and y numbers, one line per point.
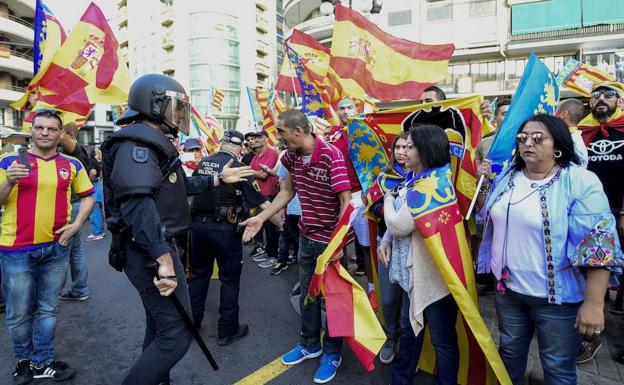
pixel 474 198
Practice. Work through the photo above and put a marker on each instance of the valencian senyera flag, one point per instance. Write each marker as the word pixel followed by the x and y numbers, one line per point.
pixel 349 313
pixel 537 93
pixel 370 61
pixel 208 130
pixel 433 204
pixel 256 111
pixel 49 36
pixel 581 78
pixel 87 69
pixel 371 136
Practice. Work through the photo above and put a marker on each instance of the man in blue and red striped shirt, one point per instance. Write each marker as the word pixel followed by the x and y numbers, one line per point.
pixel 318 174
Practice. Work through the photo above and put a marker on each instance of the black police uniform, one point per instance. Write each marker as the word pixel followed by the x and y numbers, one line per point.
pixel 215 234
pixel 146 205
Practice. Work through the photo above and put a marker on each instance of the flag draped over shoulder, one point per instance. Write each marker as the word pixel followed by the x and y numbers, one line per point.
pixel 581 78
pixel 49 36
pixel 372 62
pixel 87 69
pixel 349 313
pixel 432 202
pixel 371 136
pixel 537 93
pixel 589 126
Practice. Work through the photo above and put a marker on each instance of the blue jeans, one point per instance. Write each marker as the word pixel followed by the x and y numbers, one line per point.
pixel 77 260
pixel 311 326
pixel 440 317
pixel 32 282
pixel 390 301
pixel 97 215
pixel 519 316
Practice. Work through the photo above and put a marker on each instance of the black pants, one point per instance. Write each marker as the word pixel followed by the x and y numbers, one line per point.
pixel 167 339
pixel 216 240
pixel 289 238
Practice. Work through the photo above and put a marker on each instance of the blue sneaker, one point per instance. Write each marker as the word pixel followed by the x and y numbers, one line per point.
pixel 328 367
pixel 299 353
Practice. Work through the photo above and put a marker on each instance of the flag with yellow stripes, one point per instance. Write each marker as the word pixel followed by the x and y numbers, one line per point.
pixel 581 78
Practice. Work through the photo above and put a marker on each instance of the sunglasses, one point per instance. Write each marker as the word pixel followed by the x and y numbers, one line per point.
pixel 536 137
pixel 48 111
pixel 608 94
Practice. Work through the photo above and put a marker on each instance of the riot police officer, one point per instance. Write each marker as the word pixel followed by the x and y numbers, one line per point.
pixel 145 193
pixel 216 235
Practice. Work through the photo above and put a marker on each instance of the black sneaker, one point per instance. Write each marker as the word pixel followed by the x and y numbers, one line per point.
pixel 22 374
pixel 242 331
pixel 278 268
pixel 2 307
pixel 296 290
pixel 56 370
pixel 616 308
pixel 292 259
pixel 69 296
pixel 257 251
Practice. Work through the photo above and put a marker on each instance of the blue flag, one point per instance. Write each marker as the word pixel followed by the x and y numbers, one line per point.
pixel 537 93
pixel 311 103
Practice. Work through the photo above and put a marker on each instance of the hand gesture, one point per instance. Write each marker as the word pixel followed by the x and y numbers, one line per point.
pixel 235 174
pixel 384 251
pixel 486 109
pixel 15 172
pixel 252 226
pixel 67 232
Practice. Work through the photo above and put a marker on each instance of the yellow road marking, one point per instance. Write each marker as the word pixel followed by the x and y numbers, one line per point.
pixel 265 373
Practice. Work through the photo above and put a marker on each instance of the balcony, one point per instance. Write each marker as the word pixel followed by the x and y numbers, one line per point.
pixel 18 64
pixel 168 63
pixel 122 16
pixel 167 40
pixel 166 16
pixel 121 3
pixel 262 4
pixel 262 47
pixel 10 94
pixel 16 27
pixel 262 24
pixel 262 68
pixel 122 37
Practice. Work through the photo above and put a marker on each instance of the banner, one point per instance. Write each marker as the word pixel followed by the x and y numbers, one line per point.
pixel 581 78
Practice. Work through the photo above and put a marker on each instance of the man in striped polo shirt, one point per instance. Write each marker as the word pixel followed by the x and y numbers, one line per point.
pixel 317 173
pixel 34 244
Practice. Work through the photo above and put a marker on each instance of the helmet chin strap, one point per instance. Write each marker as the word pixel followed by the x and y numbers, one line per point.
pixel 172 130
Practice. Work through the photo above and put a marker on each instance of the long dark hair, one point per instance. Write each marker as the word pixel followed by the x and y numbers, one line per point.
pixel 562 140
pixel 432 145
pixel 403 135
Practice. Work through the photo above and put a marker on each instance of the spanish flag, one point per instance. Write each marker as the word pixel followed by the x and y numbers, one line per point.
pixel 589 126
pixel 349 313
pixel 380 65
pixel 432 202
pixel 87 69
pixel 313 55
pixel 581 78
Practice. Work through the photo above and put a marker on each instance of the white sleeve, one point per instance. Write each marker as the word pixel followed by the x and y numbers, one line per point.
pixel 580 149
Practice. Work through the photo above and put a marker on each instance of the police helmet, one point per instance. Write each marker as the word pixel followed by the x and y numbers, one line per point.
pixel 159 98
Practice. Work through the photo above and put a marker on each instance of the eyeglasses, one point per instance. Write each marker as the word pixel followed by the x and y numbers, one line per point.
pixel 536 137
pixel 608 94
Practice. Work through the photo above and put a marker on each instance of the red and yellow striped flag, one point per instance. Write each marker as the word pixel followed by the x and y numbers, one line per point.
pixel 217 99
pixel 581 78
pixel 349 313
pixel 372 62
pixel 208 129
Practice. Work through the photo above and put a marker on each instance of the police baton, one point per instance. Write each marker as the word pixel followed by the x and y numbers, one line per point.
pixel 193 329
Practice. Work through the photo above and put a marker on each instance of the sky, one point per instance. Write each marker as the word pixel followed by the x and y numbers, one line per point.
pixel 69 11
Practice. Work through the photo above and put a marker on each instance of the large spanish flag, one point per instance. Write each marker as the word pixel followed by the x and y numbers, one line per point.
pixel 349 313
pixel 384 66
pixel 87 69
pixel 432 202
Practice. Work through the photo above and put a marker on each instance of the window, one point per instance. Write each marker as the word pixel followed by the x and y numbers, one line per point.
pixel 482 7
pixel 214 50
pixel 400 18
pixel 2 116
pixel 439 10
pixel 109 116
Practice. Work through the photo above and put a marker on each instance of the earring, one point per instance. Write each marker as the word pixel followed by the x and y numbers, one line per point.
pixel 557 154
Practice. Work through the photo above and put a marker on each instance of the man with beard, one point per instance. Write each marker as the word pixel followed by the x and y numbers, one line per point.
pixel 603 134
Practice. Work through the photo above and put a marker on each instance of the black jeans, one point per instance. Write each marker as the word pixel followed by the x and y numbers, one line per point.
pixel 216 240
pixel 289 238
pixel 311 326
pixel 167 338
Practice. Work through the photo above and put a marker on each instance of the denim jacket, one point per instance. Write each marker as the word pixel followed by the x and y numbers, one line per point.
pixel 579 231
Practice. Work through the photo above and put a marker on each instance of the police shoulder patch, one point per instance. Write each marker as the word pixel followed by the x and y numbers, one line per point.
pixel 140 154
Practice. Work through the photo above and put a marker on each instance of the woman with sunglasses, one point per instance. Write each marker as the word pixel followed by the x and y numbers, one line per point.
pixel 549 240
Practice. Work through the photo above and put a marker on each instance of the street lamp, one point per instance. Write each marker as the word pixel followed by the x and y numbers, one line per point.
pixel 327 8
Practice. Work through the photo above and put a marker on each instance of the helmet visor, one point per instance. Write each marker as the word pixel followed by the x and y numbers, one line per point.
pixel 178 111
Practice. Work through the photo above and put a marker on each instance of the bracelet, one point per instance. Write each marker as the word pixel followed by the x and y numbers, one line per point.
pixel 169 277
pixel 485 188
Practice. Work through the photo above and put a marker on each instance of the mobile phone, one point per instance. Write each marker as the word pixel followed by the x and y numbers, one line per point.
pixel 23 157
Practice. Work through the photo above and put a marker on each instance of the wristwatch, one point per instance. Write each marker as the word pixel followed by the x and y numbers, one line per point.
pixel 220 179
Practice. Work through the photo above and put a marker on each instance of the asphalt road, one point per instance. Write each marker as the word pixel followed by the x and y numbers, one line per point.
pixel 102 337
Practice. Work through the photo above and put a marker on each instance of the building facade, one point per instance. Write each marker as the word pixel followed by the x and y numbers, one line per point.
pixel 493 38
pixel 206 46
pixel 16 56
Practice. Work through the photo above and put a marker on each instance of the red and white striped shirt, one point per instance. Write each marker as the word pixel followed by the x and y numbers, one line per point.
pixel 318 183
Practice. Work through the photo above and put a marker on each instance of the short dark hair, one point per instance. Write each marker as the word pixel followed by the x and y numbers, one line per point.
pixel 432 145
pixel 501 103
pixel 575 109
pixel 49 114
pixel 562 140
pixel 438 91
pixel 295 118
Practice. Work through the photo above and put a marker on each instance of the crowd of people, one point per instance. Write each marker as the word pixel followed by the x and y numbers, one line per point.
pixel 547 244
